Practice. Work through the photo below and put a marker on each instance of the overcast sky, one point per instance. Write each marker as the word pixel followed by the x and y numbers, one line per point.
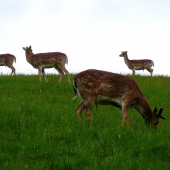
pixel 92 33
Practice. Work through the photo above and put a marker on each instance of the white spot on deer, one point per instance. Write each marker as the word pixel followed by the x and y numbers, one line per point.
pixel 123 94
pixel 137 64
pixel 47 60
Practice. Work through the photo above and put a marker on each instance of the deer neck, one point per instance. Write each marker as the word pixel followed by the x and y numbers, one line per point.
pixel 29 57
pixel 144 109
pixel 126 59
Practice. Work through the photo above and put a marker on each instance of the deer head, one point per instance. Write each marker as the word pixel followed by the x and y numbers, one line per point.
pixel 123 54
pixel 156 116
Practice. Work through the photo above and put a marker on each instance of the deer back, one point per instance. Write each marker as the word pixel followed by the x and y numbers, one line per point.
pixel 6 59
pixel 96 82
pixel 53 57
pixel 45 58
pixel 141 63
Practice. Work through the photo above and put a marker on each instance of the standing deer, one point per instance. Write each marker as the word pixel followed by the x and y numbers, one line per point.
pixel 7 60
pixel 47 60
pixel 101 87
pixel 137 64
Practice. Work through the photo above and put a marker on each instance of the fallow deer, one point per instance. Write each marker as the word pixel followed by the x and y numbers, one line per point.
pixel 47 60
pixel 137 64
pixel 7 60
pixel 101 87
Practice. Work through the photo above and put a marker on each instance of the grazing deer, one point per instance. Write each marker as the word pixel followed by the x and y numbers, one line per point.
pixel 137 64
pixel 101 87
pixel 47 60
pixel 7 60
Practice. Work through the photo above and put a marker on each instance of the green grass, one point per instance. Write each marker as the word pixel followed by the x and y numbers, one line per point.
pixel 39 128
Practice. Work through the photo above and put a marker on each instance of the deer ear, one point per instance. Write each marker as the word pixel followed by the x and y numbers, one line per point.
pixel 160 112
pixel 23 48
pixel 30 47
pixel 155 111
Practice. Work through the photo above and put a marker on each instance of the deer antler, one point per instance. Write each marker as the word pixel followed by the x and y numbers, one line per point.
pixel 160 112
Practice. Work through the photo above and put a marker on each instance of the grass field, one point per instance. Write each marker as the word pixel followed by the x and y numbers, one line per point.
pixel 39 128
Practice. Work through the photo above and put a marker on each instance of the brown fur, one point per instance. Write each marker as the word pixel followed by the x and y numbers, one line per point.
pixel 7 60
pixel 47 60
pixel 137 64
pixel 101 87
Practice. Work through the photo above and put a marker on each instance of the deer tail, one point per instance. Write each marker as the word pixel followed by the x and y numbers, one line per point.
pixel 66 59
pixel 75 88
pixel 14 59
pixel 152 63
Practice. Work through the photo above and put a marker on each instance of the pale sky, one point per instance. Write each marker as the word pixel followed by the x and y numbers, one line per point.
pixel 92 33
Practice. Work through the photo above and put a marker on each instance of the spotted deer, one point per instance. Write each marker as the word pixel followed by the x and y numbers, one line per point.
pixel 47 60
pixel 137 64
pixel 7 60
pixel 105 88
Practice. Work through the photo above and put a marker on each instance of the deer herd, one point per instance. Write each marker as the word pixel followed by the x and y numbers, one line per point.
pixel 96 86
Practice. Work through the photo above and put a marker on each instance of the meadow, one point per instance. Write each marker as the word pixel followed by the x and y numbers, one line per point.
pixel 39 128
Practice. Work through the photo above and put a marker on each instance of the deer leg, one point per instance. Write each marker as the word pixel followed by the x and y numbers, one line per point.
pixel 150 70
pixel 12 68
pixel 89 106
pixel 60 72
pixel 39 72
pixel 79 110
pixel 65 71
pixel 88 113
pixel 133 71
pixel 43 71
pixel 125 109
